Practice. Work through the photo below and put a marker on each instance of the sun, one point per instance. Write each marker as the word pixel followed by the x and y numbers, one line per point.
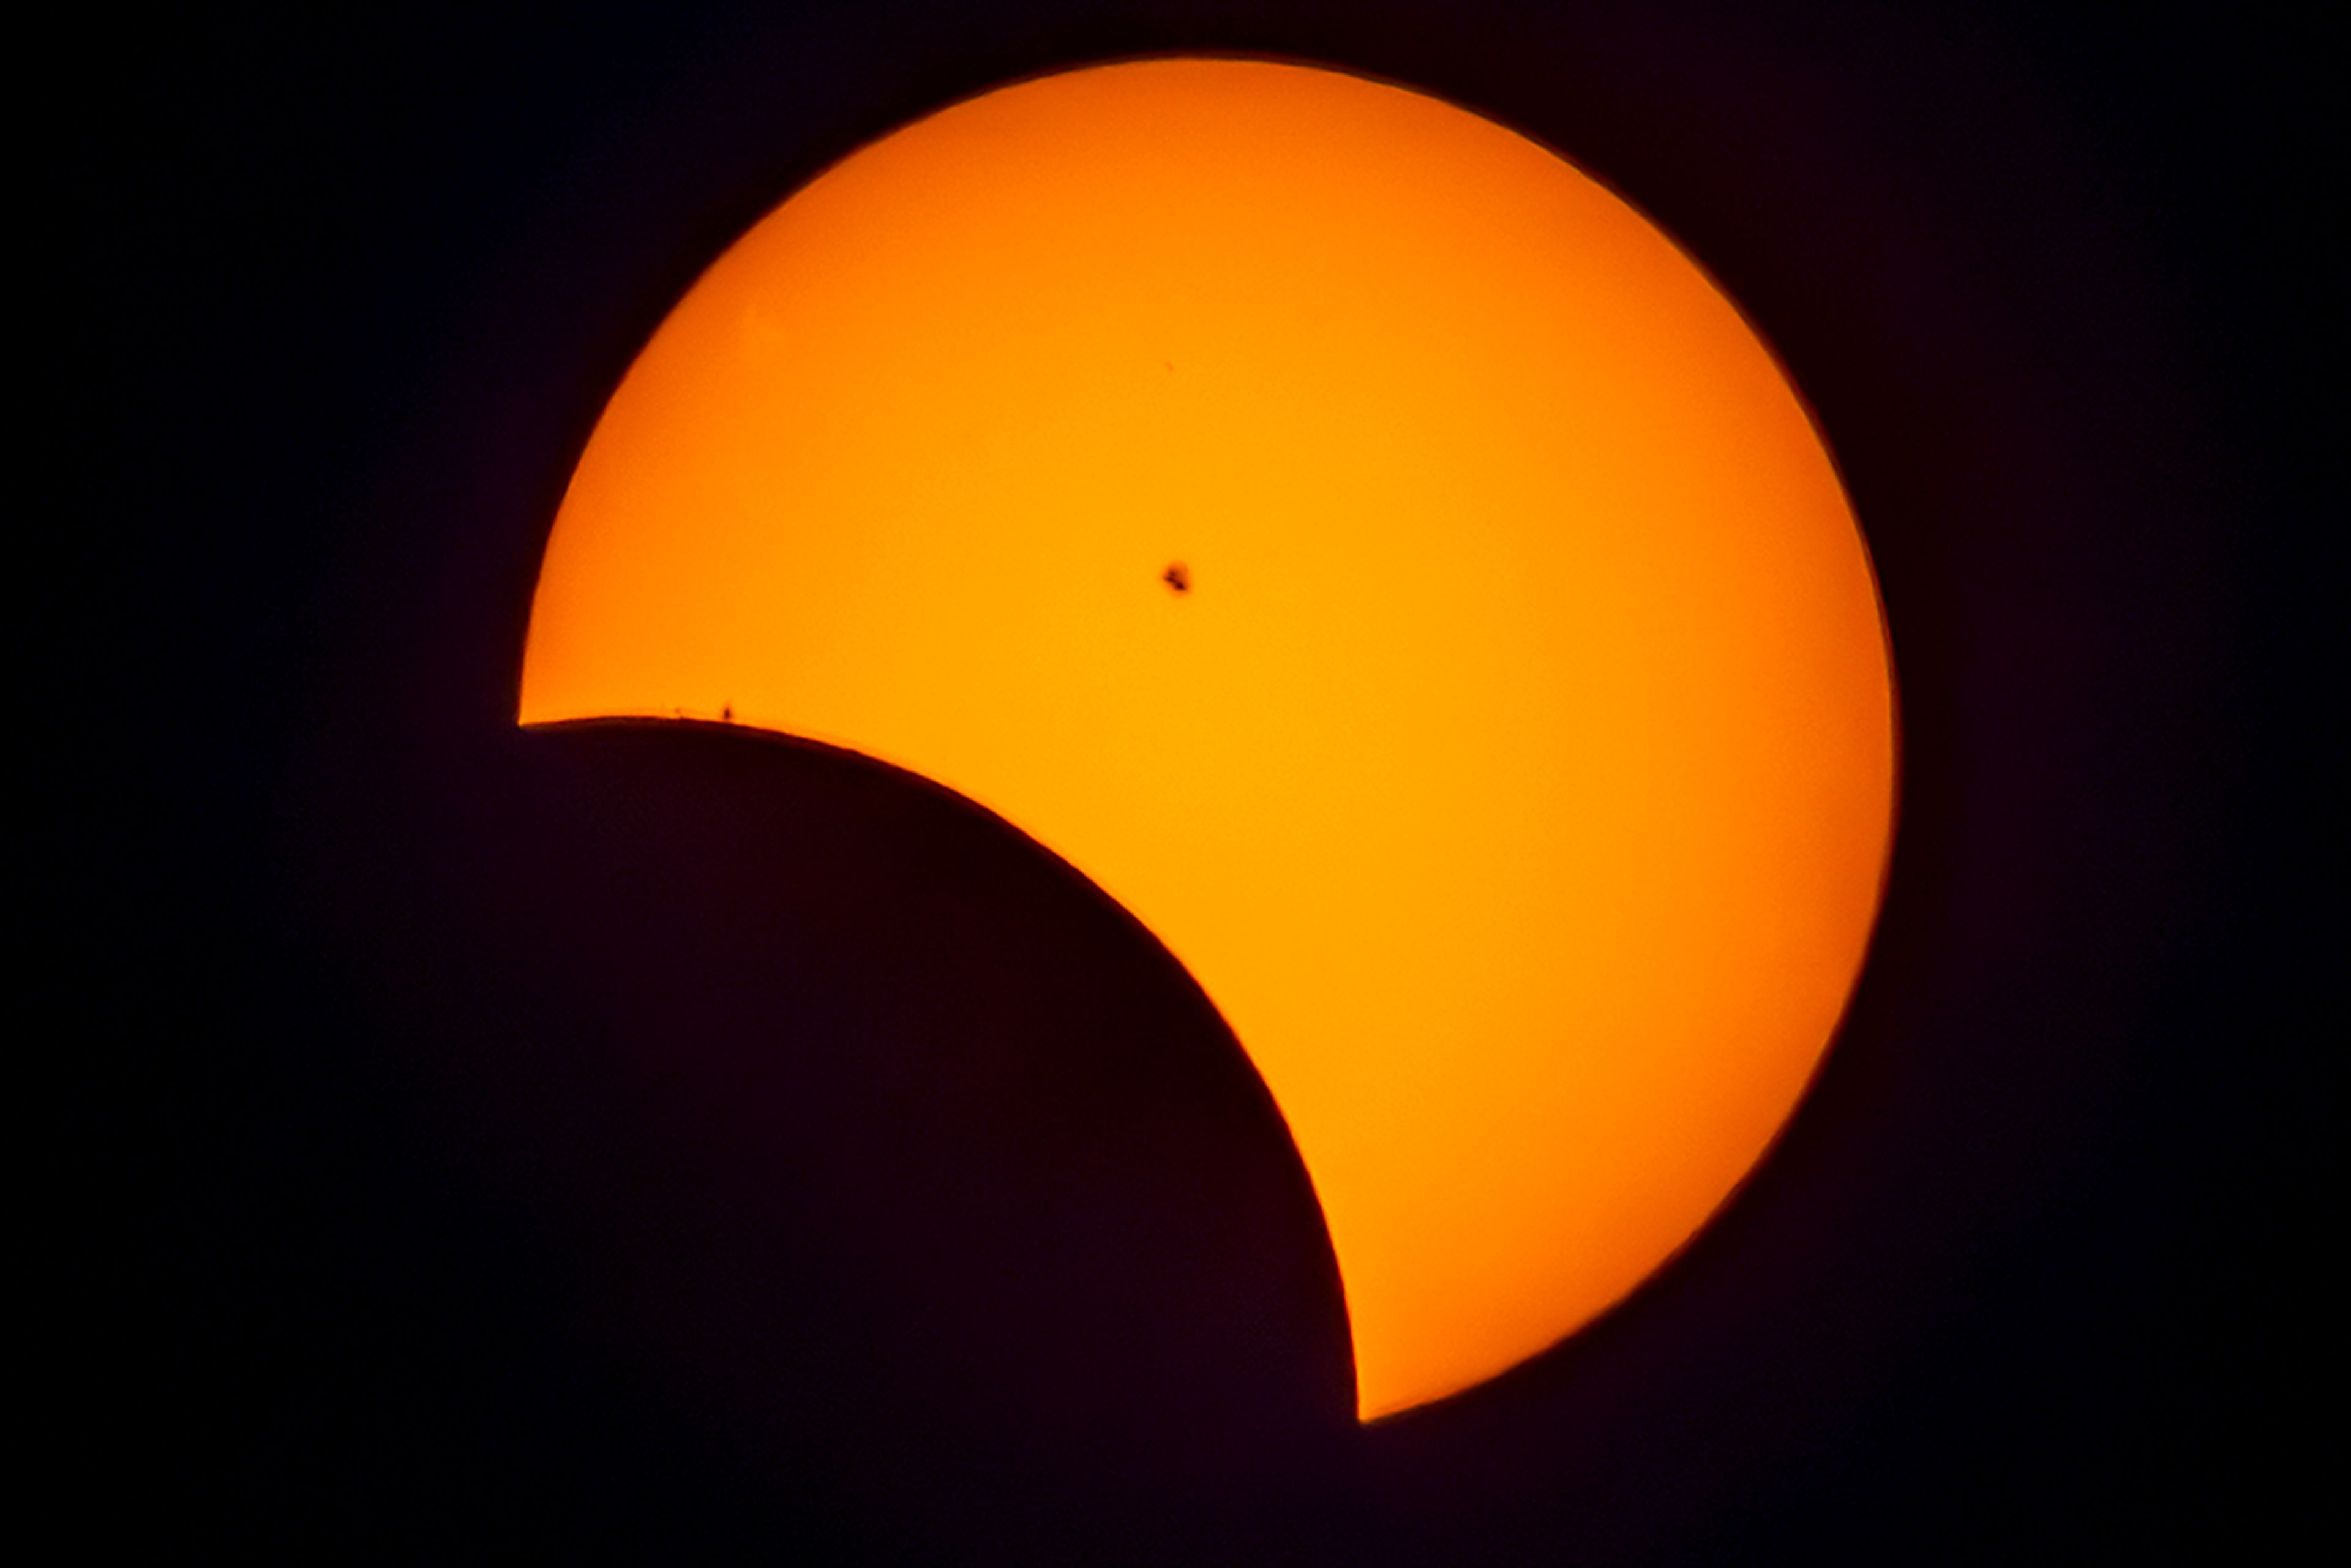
pixel 1369 550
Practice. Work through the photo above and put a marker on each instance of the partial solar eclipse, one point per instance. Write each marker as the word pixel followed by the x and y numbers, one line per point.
pixel 1368 550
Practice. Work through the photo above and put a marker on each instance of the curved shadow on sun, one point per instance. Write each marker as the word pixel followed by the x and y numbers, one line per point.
pixel 909 1116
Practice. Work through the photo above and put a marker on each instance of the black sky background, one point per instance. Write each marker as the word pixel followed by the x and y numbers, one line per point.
pixel 653 1143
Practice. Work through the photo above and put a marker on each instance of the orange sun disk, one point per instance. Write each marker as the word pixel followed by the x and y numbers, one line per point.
pixel 1372 552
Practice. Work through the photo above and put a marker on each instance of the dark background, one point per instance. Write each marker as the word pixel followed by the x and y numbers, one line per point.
pixel 657 1143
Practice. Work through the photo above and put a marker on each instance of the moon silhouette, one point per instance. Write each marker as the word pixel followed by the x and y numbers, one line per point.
pixel 1372 552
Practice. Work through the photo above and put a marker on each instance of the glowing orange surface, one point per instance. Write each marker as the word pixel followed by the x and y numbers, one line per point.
pixel 1516 772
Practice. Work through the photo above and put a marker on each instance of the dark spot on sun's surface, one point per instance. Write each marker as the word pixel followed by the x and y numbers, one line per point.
pixel 1177 575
